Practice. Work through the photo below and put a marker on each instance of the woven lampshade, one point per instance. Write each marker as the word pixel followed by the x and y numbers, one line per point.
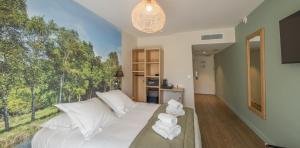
pixel 148 17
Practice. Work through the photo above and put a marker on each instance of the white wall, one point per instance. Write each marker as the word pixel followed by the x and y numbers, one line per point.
pixel 205 66
pixel 178 64
pixel 128 43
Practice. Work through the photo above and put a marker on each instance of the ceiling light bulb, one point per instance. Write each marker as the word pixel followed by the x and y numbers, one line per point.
pixel 149 7
pixel 203 52
pixel 147 16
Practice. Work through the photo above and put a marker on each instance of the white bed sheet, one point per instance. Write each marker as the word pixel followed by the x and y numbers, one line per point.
pixel 119 135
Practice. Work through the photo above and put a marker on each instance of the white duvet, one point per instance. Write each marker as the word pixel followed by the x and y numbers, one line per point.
pixel 118 135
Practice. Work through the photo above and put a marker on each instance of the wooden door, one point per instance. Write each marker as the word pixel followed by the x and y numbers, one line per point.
pixel 140 89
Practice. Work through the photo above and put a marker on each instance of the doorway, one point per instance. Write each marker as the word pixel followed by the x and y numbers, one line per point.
pixel 204 67
pixel 204 73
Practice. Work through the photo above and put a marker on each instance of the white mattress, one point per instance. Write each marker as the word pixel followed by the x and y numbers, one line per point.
pixel 119 135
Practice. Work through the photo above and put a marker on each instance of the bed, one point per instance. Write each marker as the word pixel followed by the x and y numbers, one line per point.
pixel 121 134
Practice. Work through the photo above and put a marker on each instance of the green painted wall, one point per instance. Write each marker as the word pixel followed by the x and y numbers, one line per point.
pixel 282 126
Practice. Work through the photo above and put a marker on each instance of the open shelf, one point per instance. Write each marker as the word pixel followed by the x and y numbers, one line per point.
pixel 138 55
pixel 138 67
pixel 152 69
pixel 152 82
pixel 152 95
pixel 146 71
pixel 152 55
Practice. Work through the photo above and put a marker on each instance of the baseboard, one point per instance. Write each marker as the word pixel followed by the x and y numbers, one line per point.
pixel 258 132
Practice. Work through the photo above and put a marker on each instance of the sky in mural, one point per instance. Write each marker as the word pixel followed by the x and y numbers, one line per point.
pixel 103 35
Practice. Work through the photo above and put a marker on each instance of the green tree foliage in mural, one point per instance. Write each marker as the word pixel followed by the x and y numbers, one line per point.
pixel 34 57
pixel 95 75
pixel 13 17
pixel 42 64
pixel 111 66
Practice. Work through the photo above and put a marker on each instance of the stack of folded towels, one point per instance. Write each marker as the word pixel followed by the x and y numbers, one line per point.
pixel 175 108
pixel 167 126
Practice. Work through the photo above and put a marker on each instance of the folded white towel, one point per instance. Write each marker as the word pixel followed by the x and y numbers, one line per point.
pixel 175 132
pixel 175 111
pixel 167 118
pixel 175 104
pixel 167 134
pixel 160 131
pixel 164 125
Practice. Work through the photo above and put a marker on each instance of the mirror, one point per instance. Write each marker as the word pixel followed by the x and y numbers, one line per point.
pixel 256 76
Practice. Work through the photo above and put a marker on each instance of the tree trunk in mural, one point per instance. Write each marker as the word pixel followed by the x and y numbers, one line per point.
pixel 91 93
pixel 90 89
pixel 69 98
pixel 32 103
pixel 61 87
pixel 5 114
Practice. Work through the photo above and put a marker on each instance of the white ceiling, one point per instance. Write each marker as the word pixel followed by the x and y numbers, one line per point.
pixel 182 15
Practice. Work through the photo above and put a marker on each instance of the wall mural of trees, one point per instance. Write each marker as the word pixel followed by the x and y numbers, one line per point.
pixel 42 64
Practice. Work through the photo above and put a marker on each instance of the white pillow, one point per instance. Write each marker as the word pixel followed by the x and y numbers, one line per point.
pixel 129 104
pixel 89 116
pixel 113 100
pixel 60 122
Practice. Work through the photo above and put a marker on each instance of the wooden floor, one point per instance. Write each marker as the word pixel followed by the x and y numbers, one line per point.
pixel 221 128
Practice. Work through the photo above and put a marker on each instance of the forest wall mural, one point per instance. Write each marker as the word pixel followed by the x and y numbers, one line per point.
pixel 51 51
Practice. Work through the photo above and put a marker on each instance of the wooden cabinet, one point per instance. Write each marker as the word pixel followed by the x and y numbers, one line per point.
pixel 147 75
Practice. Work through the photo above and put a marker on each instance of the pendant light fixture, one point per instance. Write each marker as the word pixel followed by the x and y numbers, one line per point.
pixel 148 16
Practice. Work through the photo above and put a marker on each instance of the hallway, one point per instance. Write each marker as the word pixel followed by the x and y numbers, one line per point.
pixel 221 128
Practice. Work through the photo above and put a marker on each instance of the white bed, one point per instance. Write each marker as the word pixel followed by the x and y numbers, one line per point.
pixel 118 135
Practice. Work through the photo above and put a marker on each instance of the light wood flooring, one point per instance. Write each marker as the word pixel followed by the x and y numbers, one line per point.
pixel 221 128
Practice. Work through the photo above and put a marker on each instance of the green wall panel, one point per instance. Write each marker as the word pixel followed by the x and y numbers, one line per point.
pixel 282 126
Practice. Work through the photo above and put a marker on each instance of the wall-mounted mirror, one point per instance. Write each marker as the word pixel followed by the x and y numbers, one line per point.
pixel 256 75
